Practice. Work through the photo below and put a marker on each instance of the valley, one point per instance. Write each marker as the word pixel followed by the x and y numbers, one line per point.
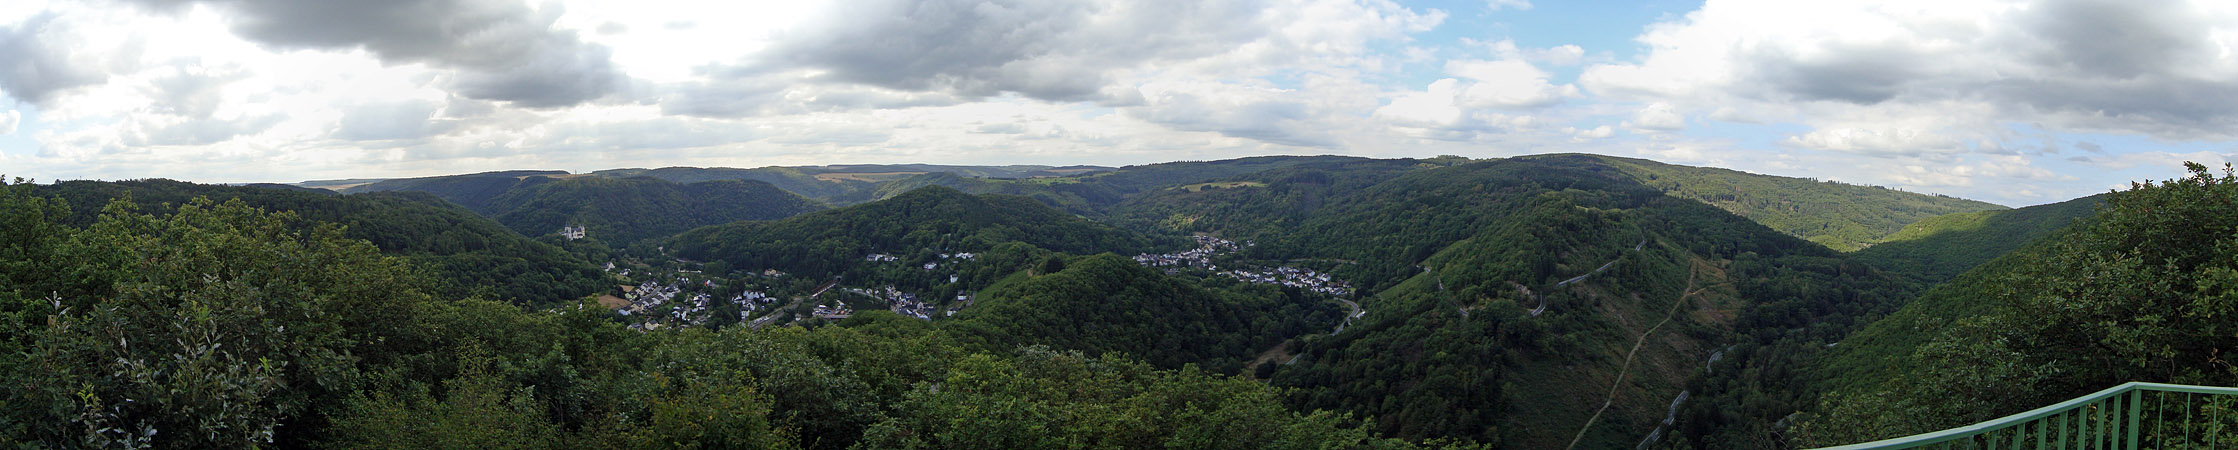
pixel 1441 302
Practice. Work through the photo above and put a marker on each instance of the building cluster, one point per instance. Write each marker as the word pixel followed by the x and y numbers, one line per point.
pixel 572 232
pixel 1200 257
pixel 1294 277
pixel 841 311
pixel 1209 247
pixel 902 303
pixel 751 301
pixel 880 257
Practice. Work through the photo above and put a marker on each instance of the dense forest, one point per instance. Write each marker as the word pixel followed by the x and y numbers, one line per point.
pixel 623 211
pixel 223 325
pixel 465 254
pixel 1839 216
pixel 2139 291
pixel 912 226
pixel 1552 301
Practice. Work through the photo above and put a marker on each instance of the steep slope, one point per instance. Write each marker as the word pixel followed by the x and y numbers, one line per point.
pixel 1939 248
pixel 468 253
pixel 2139 291
pixel 1840 216
pixel 621 211
pixel 932 219
pixel 1639 288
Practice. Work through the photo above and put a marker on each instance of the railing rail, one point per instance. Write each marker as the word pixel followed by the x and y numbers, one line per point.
pixel 2131 416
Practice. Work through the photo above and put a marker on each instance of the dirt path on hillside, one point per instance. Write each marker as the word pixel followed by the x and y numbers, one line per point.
pixel 1693 273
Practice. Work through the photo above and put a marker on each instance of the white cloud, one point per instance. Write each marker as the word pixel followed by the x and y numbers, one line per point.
pixel 1600 132
pixel 1507 84
pixel 9 121
pixel 1520 5
pixel 1656 117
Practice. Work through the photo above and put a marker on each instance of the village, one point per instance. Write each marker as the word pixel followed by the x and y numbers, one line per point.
pixel 670 295
pixel 1209 247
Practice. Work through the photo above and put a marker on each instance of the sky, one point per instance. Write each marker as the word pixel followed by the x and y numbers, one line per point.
pixel 2011 102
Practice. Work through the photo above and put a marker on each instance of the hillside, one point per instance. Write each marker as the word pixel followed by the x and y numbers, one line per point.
pixel 1839 216
pixel 621 211
pixel 2139 291
pixel 473 191
pixel 245 329
pixel 1108 304
pixel 470 255
pixel 1444 251
pixel 1939 248
pixel 847 183
pixel 924 221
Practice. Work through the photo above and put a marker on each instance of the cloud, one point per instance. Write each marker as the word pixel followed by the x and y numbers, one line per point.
pixel 1519 5
pixel 1263 114
pixel 1600 132
pixel 1507 84
pixel 1069 50
pixel 9 121
pixel 504 50
pixel 408 119
pixel 40 63
pixel 1656 117
pixel 1877 142
pixel 2106 66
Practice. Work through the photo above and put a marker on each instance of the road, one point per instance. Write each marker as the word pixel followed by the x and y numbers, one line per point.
pixel 1542 299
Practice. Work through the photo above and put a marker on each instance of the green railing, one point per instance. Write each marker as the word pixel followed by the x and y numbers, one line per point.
pixel 2130 416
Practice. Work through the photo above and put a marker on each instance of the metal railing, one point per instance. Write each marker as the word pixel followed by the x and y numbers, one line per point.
pixel 2131 416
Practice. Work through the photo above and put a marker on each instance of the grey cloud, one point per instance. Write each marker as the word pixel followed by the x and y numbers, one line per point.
pixel 1279 122
pixel 387 121
pixel 1049 50
pixel 37 68
pixel 192 93
pixel 2089 146
pixel 506 50
pixel 1861 74
pixel 2100 65
pixel 2115 38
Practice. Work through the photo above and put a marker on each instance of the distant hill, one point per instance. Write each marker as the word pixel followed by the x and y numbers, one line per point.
pixel 470 255
pixel 621 211
pixel 847 183
pixel 473 191
pixel 1843 217
pixel 1939 248
pixel 931 219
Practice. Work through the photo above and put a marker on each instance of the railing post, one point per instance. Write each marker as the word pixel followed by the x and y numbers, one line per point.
pixel 2136 403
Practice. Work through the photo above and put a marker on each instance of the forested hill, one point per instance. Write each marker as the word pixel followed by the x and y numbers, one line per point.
pixel 1843 217
pixel 2141 290
pixel 621 211
pixel 219 325
pixel 469 254
pixel 1936 249
pixel 1108 304
pixel 921 222
pixel 473 191
pixel 1455 259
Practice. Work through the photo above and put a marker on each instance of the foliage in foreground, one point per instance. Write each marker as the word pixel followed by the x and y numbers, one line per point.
pixel 220 325
pixel 2145 290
